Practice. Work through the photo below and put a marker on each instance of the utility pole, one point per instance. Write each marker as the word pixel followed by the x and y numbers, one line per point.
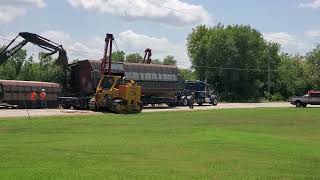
pixel 269 74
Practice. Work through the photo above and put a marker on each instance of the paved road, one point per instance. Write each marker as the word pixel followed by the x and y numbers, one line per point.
pixel 8 113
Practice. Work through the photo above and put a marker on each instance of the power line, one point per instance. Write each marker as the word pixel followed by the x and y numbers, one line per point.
pixel 116 45
pixel 160 5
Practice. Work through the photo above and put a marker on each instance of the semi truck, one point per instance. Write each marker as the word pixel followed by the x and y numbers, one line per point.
pixel 202 93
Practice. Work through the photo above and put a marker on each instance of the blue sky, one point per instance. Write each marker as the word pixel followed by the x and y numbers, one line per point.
pixel 161 25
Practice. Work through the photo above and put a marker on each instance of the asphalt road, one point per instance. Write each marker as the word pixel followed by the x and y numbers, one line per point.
pixel 10 113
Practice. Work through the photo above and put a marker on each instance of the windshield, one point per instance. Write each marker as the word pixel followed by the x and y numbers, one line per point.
pixel 107 83
pixel 195 86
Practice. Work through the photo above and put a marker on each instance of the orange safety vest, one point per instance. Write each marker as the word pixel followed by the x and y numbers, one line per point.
pixel 43 96
pixel 33 96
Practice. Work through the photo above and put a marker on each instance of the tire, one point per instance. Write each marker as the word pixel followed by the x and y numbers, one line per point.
pixel 66 106
pixel 185 102
pixel 214 102
pixel 299 104
pixel 140 107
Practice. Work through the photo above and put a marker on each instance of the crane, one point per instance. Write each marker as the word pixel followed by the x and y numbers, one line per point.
pixel 40 41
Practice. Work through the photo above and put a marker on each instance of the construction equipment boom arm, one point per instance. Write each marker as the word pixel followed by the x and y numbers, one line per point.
pixel 40 41
pixel 107 56
pixel 147 56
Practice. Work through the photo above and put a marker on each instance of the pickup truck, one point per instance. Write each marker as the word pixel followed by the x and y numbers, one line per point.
pixel 312 98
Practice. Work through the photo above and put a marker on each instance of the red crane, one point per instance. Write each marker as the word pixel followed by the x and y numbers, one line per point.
pixel 107 56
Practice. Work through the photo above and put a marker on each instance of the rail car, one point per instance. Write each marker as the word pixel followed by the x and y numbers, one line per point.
pixel 159 83
pixel 19 92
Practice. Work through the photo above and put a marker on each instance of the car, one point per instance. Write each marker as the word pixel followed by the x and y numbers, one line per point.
pixel 312 98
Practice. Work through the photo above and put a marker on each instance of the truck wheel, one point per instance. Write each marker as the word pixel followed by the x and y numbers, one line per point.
pixel 185 102
pixel 214 102
pixel 140 107
pixel 298 104
pixel 66 106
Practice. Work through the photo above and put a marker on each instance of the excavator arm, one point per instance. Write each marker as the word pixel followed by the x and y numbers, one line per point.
pixel 40 41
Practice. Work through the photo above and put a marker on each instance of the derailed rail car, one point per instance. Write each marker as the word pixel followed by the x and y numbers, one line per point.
pixel 19 92
pixel 159 83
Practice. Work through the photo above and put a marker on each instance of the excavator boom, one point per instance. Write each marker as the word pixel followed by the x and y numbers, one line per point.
pixel 40 41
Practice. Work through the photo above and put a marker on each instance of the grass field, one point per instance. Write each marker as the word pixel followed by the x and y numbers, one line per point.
pixel 220 144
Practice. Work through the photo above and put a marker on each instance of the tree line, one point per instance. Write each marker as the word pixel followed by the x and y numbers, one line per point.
pixel 236 59
pixel 120 56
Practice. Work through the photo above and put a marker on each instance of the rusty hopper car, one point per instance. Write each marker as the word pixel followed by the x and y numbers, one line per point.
pixel 19 92
pixel 159 82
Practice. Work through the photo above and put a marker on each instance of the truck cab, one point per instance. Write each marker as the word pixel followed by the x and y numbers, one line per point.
pixel 202 93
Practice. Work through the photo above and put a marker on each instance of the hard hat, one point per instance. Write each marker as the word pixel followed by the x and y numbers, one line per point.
pixel 43 90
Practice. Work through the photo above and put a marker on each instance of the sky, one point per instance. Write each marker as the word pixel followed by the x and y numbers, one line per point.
pixel 162 25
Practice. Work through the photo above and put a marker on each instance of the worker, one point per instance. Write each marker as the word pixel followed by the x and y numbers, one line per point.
pixel 43 99
pixel 33 99
pixel 191 100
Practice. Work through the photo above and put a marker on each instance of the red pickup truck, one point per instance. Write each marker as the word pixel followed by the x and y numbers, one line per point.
pixel 312 98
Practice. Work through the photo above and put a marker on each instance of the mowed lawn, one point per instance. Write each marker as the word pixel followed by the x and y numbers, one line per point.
pixel 220 144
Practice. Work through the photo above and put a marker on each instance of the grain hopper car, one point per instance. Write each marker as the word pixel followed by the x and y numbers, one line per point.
pixel 19 92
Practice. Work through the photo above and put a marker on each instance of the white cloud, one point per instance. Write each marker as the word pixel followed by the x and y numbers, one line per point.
pixel 310 4
pixel 284 39
pixel 313 33
pixel 161 47
pixel 10 9
pixel 173 12
pixel 91 49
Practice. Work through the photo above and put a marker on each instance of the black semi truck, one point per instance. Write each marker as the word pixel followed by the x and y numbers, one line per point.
pixel 201 91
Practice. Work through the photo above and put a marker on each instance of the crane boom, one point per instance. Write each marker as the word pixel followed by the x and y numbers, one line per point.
pixel 40 41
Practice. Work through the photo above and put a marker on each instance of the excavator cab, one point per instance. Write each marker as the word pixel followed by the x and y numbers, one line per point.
pixel 114 95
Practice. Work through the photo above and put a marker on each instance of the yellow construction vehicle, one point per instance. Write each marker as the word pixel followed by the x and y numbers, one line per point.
pixel 112 93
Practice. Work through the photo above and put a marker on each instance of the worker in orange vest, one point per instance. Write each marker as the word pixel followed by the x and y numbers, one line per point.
pixel 43 99
pixel 33 99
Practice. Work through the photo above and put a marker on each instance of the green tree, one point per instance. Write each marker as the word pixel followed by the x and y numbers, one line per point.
pixel 313 60
pixel 11 68
pixel 118 56
pixel 156 61
pixel 169 60
pixel 134 58
pixel 228 57
pixel 188 74
pixel 27 72
pixel 295 76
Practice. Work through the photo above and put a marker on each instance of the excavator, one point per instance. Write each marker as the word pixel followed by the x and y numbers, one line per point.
pixel 112 93
pixel 40 41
